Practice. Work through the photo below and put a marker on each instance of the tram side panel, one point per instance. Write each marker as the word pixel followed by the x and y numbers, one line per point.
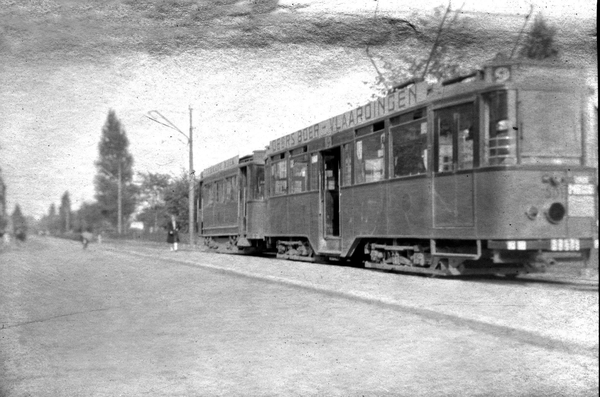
pixel 409 207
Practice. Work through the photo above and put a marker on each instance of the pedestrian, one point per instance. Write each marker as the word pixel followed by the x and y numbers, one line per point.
pixel 86 237
pixel 173 233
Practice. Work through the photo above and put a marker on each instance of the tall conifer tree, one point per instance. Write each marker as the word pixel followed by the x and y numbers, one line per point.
pixel 115 166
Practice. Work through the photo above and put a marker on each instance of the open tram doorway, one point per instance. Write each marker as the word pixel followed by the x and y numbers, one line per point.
pixel 242 203
pixel 330 193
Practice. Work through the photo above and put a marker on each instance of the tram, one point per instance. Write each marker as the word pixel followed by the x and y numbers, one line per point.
pixel 493 172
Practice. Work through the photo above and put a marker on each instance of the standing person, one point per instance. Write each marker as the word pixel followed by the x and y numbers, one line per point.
pixel 86 237
pixel 173 233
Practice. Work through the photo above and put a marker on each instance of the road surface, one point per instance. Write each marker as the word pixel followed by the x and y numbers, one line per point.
pixel 138 320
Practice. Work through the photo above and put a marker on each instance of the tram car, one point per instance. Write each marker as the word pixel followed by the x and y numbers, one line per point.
pixel 494 172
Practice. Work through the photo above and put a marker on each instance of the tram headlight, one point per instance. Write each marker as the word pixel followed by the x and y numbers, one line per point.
pixel 532 212
pixel 556 212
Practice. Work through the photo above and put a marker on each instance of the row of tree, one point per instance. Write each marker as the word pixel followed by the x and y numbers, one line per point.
pixel 155 196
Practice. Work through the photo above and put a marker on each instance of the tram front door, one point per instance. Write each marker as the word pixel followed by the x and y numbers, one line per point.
pixel 453 192
pixel 330 200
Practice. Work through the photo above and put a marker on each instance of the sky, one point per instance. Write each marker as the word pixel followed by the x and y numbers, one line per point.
pixel 251 70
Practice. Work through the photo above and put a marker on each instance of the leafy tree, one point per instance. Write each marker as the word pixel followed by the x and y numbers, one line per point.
pixel 65 212
pixel 439 51
pixel 540 42
pixel 89 217
pixel 19 223
pixel 115 171
pixel 177 199
pixel 152 196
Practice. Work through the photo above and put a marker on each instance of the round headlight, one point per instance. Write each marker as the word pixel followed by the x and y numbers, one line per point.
pixel 556 212
pixel 532 212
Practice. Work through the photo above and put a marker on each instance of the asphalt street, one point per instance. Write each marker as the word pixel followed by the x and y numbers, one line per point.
pixel 135 319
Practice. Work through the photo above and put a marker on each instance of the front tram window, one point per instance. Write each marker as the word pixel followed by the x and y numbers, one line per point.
pixel 455 133
pixel 501 136
pixel 409 143
pixel 368 159
pixel 258 175
pixel 299 170
pixel 551 127
pixel 279 177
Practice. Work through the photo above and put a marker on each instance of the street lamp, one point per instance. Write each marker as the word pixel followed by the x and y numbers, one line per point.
pixel 119 195
pixel 155 116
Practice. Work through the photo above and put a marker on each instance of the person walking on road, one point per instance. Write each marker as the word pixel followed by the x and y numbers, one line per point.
pixel 173 233
pixel 86 237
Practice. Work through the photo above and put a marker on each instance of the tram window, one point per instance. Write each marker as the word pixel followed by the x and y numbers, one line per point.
pixel 368 159
pixel 314 171
pixel 409 143
pixel 258 174
pixel 299 169
pixel 366 130
pixel 278 177
pixel 219 197
pixel 501 137
pixel 230 188
pixel 552 128
pixel 455 134
pixel 209 193
pixel 347 164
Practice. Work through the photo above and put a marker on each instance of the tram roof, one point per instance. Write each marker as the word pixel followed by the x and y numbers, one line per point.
pixel 499 72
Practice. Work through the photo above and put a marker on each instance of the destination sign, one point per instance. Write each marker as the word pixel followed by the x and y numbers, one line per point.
pixel 223 165
pixel 398 100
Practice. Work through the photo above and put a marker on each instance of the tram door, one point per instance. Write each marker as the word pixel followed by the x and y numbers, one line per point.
pixel 330 192
pixel 455 144
pixel 243 201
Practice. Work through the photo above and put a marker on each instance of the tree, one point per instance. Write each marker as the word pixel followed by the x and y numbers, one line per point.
pixel 540 43
pixel 89 217
pixel 152 196
pixel 65 212
pixel 438 51
pixel 19 223
pixel 177 199
pixel 115 192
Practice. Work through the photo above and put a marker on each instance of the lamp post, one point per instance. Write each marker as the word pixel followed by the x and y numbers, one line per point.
pixel 157 117
pixel 119 196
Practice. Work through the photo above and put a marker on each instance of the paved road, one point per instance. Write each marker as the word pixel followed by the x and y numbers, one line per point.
pixel 139 320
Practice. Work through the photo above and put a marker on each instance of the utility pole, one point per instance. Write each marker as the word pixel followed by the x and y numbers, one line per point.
pixel 157 117
pixel 192 224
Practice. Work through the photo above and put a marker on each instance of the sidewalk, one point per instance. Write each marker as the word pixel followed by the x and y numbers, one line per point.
pixel 536 310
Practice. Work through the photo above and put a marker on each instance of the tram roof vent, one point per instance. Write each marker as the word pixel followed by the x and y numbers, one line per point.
pixel 404 84
pixel 476 75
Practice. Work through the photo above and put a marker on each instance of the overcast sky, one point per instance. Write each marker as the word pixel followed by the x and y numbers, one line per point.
pixel 251 70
